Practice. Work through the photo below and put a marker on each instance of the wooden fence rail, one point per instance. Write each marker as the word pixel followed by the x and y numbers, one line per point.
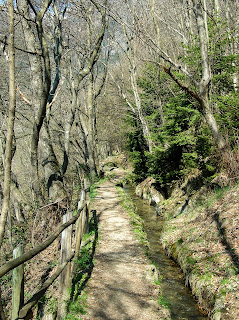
pixel 33 252
pixel 24 311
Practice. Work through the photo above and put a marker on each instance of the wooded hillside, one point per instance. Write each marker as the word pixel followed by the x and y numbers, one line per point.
pixel 81 79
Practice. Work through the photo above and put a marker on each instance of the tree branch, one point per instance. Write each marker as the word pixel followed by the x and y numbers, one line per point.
pixel 181 84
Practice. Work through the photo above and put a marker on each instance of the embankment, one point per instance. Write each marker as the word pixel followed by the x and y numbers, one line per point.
pixel 201 233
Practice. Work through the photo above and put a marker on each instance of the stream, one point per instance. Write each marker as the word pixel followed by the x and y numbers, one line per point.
pixel 179 299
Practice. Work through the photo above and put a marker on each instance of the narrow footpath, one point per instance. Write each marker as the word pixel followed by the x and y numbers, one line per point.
pixel 119 288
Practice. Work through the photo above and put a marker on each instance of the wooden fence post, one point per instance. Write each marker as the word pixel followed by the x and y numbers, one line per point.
pixel 87 197
pixel 2 313
pixel 79 226
pixel 65 276
pixel 18 284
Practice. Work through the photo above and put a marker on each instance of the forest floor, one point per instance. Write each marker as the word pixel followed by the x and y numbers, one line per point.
pixel 120 287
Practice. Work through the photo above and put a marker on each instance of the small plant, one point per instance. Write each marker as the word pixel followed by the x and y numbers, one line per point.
pixel 163 302
pixel 159 281
pixel 77 307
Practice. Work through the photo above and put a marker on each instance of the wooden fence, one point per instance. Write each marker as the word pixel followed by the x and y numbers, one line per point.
pixel 21 310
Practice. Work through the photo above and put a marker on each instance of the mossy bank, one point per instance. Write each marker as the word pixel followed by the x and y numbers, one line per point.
pixel 201 234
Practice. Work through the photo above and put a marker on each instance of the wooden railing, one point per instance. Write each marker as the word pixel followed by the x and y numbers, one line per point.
pixel 21 310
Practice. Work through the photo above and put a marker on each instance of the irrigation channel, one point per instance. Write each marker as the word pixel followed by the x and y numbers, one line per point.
pixel 178 298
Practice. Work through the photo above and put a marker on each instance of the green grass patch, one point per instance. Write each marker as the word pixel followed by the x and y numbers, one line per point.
pixel 77 307
pixel 163 302
pixel 84 264
pixel 135 220
pixel 95 185
pixel 216 195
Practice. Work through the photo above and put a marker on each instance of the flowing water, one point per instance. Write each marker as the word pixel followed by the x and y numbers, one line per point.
pixel 179 299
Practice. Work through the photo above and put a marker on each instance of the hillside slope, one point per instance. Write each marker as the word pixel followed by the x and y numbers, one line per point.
pixel 202 235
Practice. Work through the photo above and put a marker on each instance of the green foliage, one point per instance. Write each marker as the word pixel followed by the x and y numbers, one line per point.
pixel 223 61
pixel 136 146
pixel 181 138
pixel 175 152
pixel 181 141
pixel 163 302
pixel 77 307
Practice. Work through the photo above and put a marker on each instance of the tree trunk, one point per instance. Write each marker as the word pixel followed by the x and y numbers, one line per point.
pixel 142 121
pixel 91 126
pixel 36 76
pixel 53 177
pixel 206 78
pixel 11 119
pixel 213 126
pixel 40 80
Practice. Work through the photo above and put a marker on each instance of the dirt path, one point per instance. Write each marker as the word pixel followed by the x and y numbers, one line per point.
pixel 119 287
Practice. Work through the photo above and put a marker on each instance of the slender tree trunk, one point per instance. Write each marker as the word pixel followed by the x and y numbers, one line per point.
pixel 216 7
pixel 11 119
pixel 91 126
pixel 142 120
pixel 71 117
pixel 205 19
pixel 206 78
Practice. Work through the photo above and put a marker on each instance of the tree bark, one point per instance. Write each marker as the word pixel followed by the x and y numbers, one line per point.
pixel 206 78
pixel 18 284
pixel 85 132
pixel 36 73
pixel 52 172
pixel 40 79
pixel 11 119
pixel 91 125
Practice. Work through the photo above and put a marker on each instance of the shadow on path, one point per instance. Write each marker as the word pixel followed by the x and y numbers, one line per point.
pixel 224 241
pixel 77 284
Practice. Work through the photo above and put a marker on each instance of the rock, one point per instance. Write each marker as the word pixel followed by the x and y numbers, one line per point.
pixel 221 180
pixel 147 191
pixel 153 273
pixel 182 208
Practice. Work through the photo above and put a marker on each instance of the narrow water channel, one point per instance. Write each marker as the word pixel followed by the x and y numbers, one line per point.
pixel 179 299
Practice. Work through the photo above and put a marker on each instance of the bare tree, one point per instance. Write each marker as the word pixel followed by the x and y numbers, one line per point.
pixel 86 62
pixel 11 119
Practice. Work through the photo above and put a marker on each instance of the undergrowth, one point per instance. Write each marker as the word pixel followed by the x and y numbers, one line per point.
pixel 84 265
pixel 203 239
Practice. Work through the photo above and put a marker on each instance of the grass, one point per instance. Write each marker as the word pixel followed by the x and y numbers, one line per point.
pixel 163 302
pixel 135 220
pixel 84 264
pixel 77 307
pixel 202 241
pixel 94 186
